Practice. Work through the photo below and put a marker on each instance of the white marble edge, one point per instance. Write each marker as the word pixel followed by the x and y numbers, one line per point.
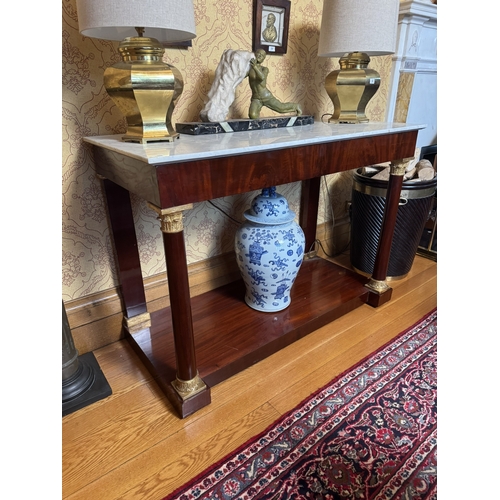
pixel 191 147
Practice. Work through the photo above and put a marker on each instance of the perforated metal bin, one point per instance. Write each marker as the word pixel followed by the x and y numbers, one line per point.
pixel 367 211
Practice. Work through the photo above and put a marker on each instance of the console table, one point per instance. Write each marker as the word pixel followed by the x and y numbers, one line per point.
pixel 199 341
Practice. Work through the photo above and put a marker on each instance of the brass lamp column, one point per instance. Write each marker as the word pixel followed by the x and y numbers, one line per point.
pixel 144 88
pixel 351 87
pixel 354 30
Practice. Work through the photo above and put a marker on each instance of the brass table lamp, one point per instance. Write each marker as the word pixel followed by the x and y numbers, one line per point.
pixel 354 30
pixel 144 88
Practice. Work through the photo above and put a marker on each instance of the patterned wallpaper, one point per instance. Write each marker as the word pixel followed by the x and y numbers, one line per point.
pixel 298 76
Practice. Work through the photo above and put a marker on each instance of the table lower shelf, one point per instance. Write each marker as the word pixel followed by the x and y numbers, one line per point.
pixel 230 336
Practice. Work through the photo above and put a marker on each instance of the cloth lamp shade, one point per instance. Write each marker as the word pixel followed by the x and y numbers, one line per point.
pixel 354 30
pixel 165 20
pixel 358 25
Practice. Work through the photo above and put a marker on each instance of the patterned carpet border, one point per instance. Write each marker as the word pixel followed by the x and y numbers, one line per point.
pixel 370 433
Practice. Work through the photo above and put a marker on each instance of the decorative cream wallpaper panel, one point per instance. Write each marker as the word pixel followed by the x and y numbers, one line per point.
pixel 298 76
pixel 405 87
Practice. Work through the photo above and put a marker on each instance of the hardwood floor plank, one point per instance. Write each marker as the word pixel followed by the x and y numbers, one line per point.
pixel 192 463
pixel 91 423
pixel 123 372
pixel 171 462
pixel 116 440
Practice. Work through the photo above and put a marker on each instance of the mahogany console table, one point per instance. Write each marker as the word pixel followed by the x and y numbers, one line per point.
pixel 199 341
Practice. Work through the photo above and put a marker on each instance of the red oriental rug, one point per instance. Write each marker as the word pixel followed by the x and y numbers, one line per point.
pixel 369 434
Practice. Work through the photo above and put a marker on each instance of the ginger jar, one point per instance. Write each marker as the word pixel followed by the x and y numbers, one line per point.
pixel 269 248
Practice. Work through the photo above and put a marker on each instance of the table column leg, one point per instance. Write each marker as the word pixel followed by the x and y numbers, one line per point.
pixel 308 219
pixel 190 390
pixel 380 291
pixel 128 262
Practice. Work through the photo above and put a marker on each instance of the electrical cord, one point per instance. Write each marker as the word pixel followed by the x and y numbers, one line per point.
pixel 328 201
pixel 331 256
pixel 225 213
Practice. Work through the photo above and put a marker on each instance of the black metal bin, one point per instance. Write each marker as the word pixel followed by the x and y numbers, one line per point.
pixel 367 211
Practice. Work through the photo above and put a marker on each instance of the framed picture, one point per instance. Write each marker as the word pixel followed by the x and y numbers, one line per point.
pixel 271 19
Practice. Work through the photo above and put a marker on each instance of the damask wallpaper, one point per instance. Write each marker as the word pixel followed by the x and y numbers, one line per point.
pixel 298 76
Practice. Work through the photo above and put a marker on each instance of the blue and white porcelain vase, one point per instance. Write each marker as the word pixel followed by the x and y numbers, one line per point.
pixel 269 248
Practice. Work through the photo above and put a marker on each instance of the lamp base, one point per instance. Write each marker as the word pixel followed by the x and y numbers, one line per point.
pixel 145 89
pixel 351 87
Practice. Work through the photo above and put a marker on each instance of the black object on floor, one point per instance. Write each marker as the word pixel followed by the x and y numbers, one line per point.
pixel 83 382
pixel 90 381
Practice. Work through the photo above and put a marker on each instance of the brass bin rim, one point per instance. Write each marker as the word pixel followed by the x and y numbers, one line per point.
pixel 409 190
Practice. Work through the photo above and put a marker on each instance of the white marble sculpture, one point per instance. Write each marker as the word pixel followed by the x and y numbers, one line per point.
pixel 232 69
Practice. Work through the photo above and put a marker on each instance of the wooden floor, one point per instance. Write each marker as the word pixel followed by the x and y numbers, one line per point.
pixel 131 445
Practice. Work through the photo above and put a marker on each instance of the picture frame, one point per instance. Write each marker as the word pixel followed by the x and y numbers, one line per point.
pixel 271 21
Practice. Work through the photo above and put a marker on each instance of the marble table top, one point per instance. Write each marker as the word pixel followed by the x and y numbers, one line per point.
pixel 188 147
